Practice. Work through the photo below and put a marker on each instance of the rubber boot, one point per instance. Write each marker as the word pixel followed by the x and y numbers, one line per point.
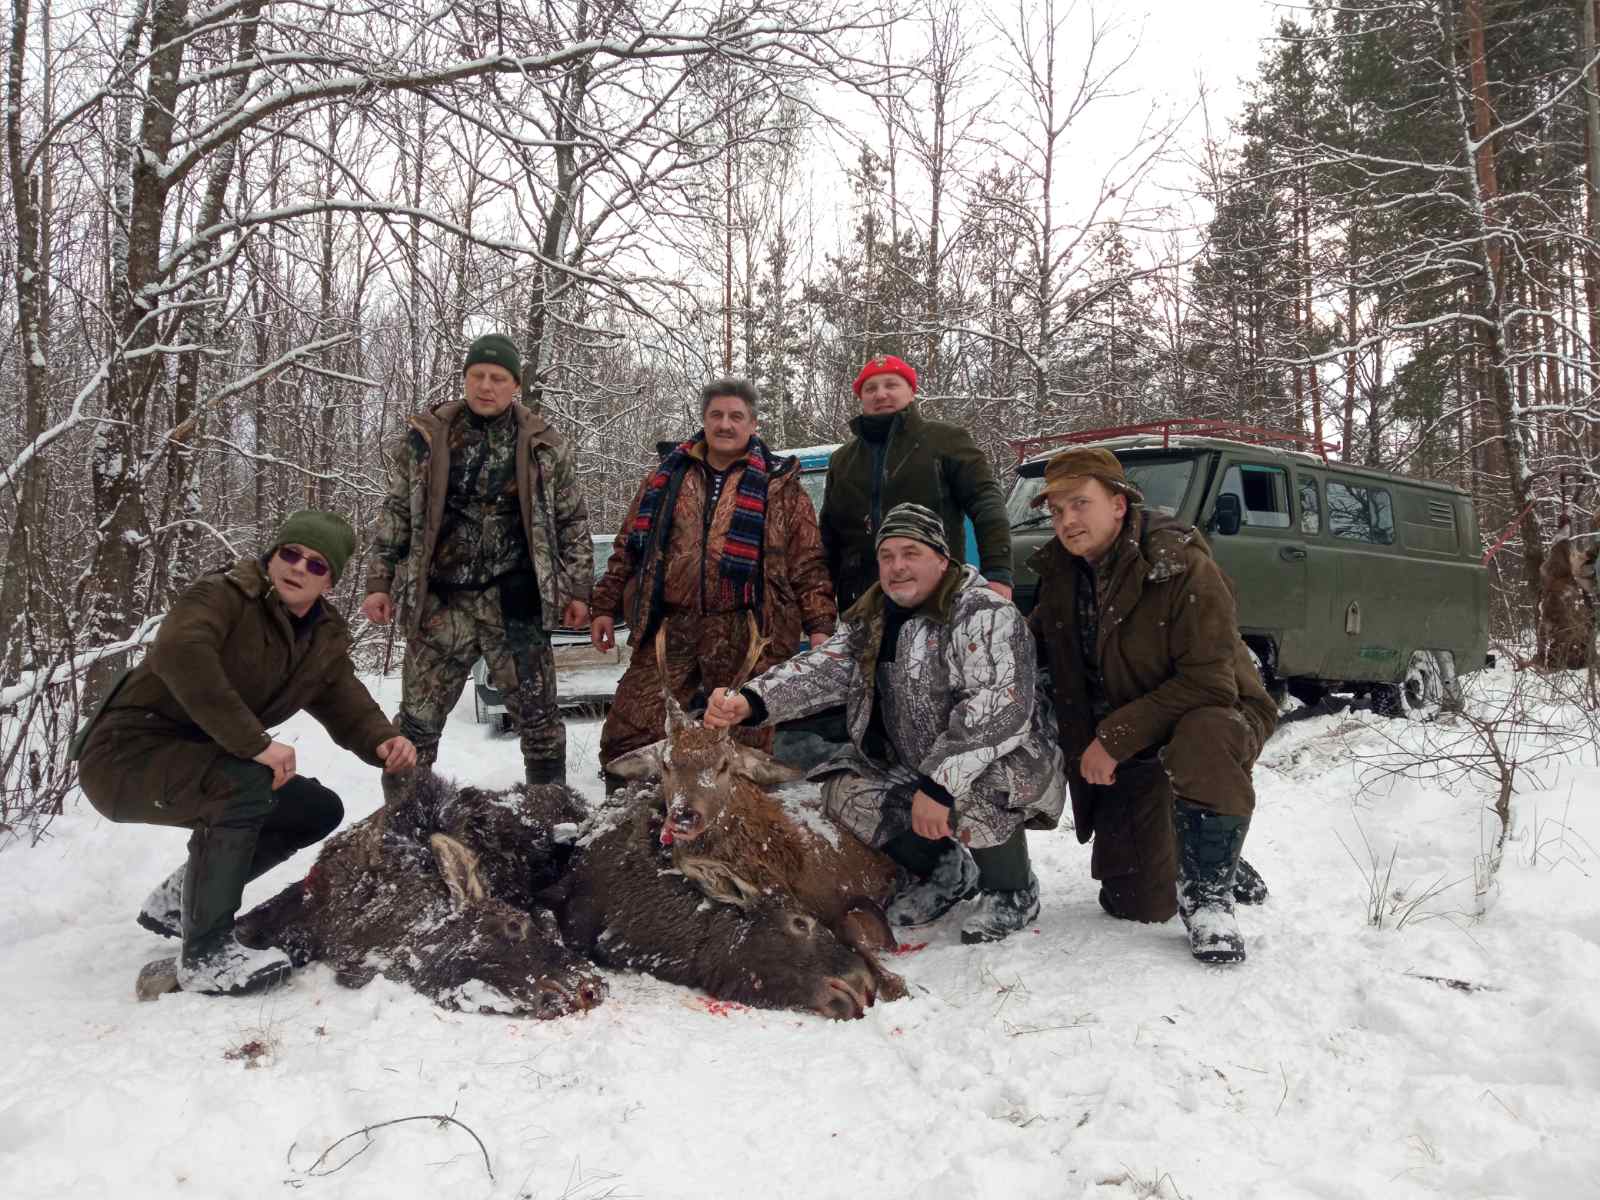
pixel 1008 892
pixel 545 770
pixel 939 876
pixel 1208 855
pixel 213 960
pixel 1248 886
pixel 162 911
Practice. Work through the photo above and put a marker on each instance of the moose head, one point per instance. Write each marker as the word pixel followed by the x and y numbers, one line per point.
pixel 700 768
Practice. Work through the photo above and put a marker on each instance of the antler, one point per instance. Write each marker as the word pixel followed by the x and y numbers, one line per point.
pixel 676 718
pixel 758 645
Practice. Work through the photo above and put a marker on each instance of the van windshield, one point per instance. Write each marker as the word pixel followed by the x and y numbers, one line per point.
pixel 815 483
pixel 1163 481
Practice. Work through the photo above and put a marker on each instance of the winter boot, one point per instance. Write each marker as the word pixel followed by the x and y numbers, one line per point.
pixel 545 770
pixel 213 960
pixel 162 911
pixel 1248 886
pixel 942 875
pixel 1208 854
pixel 1008 893
pixel 998 914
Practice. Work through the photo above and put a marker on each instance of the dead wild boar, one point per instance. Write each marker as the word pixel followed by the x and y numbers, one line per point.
pixel 624 903
pixel 738 841
pixel 415 906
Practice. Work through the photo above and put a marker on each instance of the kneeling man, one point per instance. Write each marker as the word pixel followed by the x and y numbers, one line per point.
pixel 1162 710
pixel 951 743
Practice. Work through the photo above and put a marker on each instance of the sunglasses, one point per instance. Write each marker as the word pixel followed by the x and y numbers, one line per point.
pixel 291 556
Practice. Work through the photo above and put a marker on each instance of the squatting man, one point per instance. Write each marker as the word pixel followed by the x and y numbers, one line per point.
pixel 951 751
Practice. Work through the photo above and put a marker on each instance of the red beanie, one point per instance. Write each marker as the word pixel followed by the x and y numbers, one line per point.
pixel 886 364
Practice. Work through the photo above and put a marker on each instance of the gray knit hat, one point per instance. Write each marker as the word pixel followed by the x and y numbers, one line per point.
pixel 913 521
pixel 327 533
pixel 498 349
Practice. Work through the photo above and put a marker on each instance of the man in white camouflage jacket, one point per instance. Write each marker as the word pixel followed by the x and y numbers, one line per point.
pixel 953 749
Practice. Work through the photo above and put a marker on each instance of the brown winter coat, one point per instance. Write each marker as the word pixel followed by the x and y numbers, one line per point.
pixel 1168 645
pixel 554 515
pixel 797 595
pixel 225 667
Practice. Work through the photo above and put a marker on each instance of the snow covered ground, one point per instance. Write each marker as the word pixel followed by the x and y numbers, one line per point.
pixel 1084 1058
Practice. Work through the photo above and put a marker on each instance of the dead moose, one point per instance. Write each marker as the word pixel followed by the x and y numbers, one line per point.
pixel 738 841
pixel 439 900
pixel 623 903
pixel 1567 594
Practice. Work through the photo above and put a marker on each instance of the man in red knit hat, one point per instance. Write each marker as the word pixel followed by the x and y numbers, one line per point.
pixel 898 456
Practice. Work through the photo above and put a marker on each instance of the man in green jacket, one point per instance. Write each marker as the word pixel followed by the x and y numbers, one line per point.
pixel 897 456
pixel 1160 709
pixel 182 739
pixel 485 510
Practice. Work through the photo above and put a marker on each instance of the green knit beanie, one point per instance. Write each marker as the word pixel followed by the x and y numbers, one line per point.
pixel 327 533
pixel 498 349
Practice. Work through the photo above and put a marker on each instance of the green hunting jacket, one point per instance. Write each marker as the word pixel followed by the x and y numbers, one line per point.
pixel 1167 643
pixel 931 463
pixel 554 515
pixel 226 666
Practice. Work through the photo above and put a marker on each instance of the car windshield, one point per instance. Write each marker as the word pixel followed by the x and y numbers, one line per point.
pixel 814 483
pixel 1162 481
pixel 603 546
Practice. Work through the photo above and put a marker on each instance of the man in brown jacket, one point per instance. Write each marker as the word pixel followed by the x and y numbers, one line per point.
pixel 182 739
pixel 720 530
pixel 1161 709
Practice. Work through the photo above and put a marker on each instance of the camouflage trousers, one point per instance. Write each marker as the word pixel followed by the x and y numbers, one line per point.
pixel 703 652
pixel 454 631
pixel 873 800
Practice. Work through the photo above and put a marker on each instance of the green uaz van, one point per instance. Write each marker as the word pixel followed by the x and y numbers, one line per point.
pixel 1348 579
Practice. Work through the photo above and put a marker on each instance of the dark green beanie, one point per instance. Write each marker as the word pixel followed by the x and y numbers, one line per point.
pixel 498 349
pixel 327 533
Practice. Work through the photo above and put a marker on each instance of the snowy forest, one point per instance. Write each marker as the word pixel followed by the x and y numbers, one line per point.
pixel 244 240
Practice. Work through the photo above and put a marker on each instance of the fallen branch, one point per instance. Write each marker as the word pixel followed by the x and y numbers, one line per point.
pixel 367 1131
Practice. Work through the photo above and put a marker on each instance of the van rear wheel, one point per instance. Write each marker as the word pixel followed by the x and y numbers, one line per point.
pixel 1427 687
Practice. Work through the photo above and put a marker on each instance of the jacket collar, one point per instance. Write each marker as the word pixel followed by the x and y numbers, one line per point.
pixel 907 420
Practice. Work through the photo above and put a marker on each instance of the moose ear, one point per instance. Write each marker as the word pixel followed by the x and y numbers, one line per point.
pixel 643 763
pixel 459 866
pixel 763 768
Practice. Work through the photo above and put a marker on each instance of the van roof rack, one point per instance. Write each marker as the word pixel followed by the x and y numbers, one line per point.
pixel 1181 427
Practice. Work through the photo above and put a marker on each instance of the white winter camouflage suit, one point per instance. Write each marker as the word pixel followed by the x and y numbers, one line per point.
pixel 961 705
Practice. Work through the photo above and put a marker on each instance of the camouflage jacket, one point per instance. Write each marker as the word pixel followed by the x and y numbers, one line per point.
pixel 931 463
pixel 554 516
pixel 797 596
pixel 1167 643
pixel 961 702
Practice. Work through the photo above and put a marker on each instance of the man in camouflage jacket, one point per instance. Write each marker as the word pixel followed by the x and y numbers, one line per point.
pixel 669 570
pixel 485 510
pixel 1162 712
pixel 951 743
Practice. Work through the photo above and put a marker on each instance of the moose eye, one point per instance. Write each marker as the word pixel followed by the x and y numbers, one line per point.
pixel 800 924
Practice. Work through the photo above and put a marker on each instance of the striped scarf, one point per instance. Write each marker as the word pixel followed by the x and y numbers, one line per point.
pixel 741 552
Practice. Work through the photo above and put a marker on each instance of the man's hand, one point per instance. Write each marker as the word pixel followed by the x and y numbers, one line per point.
pixel 603 634
pixel 929 818
pixel 281 759
pixel 1097 765
pixel 817 639
pixel 398 754
pixel 1003 590
pixel 378 608
pixel 575 615
pixel 726 709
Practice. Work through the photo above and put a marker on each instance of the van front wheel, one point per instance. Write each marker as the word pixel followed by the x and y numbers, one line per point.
pixel 1426 687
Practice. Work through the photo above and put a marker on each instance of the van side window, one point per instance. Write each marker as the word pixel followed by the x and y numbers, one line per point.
pixel 1310 506
pixel 1263 494
pixel 1361 513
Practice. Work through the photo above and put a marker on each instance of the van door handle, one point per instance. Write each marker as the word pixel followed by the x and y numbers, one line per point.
pixel 1291 553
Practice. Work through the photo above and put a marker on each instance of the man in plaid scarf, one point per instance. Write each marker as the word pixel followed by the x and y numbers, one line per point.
pixel 721 529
